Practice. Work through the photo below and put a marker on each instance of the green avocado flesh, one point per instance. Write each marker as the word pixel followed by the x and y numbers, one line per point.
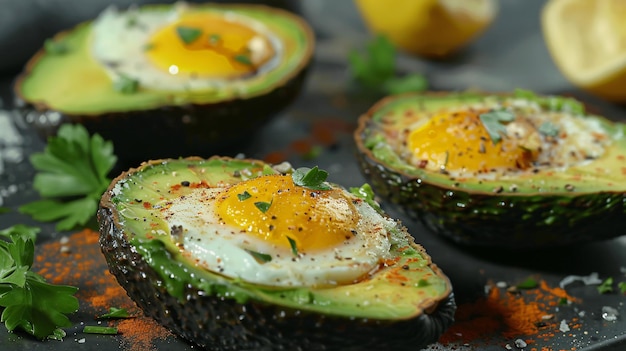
pixel 75 83
pixel 537 206
pixel 406 289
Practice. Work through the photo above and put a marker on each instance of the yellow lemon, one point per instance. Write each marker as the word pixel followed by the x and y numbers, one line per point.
pixel 428 28
pixel 587 41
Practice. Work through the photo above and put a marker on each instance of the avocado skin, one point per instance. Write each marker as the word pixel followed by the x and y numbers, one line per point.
pixel 173 131
pixel 222 324
pixel 492 220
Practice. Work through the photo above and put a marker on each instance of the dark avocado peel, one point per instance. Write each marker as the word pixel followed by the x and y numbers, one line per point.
pixel 407 304
pixel 544 208
pixel 63 83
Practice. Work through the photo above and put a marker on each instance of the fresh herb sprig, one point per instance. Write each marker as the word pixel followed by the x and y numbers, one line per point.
pixel 311 178
pixel 376 69
pixel 29 303
pixel 71 177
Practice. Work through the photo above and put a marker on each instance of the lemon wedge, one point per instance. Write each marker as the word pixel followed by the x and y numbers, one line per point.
pixel 428 28
pixel 587 41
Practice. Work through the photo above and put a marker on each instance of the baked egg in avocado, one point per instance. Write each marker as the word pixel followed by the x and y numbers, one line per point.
pixel 201 76
pixel 237 254
pixel 511 170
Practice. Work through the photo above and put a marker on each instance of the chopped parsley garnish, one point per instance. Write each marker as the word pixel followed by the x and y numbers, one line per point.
pixel 55 47
pixel 263 206
pixel 125 84
pixel 214 39
pixel 622 287
pixel 94 329
pixel 244 59
pixel 548 129
pixel 294 247
pixel 115 312
pixel 244 196
pixel 260 257
pixel 366 193
pixel 188 34
pixel 493 122
pixel 28 302
pixel 311 178
pixel 71 177
pixel 529 283
pixel 376 69
pixel 606 286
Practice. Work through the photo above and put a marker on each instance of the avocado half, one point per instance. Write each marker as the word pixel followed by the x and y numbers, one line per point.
pixel 71 86
pixel 543 208
pixel 407 304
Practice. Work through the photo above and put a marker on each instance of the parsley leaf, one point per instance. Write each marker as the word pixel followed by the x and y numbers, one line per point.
pixel 244 196
pixel 115 312
pixel 95 329
pixel 622 287
pixel 312 178
pixel 243 59
pixel 376 69
pixel 548 129
pixel 126 85
pixel 260 257
pixel 29 303
pixel 263 206
pixel 188 34
pixel 72 175
pixel 411 82
pixel 529 283
pixel 493 122
pixel 214 39
pixel 606 286
pixel 294 247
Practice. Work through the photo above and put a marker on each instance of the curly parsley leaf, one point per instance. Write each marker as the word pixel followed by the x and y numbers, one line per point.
pixel 28 302
pixel 376 69
pixel 311 178
pixel 71 177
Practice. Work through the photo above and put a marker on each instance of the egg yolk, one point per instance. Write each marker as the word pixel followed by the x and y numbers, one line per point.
pixel 459 141
pixel 208 45
pixel 279 212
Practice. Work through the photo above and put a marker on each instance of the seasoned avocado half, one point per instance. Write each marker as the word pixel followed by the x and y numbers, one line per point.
pixel 199 76
pixel 507 170
pixel 224 295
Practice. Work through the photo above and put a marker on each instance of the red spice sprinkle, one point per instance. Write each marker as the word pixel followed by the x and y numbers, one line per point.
pixel 84 266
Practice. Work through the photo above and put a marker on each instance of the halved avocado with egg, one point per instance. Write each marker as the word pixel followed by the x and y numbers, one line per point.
pixel 234 254
pixel 169 80
pixel 513 170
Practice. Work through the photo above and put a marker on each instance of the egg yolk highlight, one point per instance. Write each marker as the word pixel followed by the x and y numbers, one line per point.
pixel 460 142
pixel 276 210
pixel 208 45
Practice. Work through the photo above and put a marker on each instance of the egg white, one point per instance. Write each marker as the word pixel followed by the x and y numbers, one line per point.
pixel 120 49
pixel 226 250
